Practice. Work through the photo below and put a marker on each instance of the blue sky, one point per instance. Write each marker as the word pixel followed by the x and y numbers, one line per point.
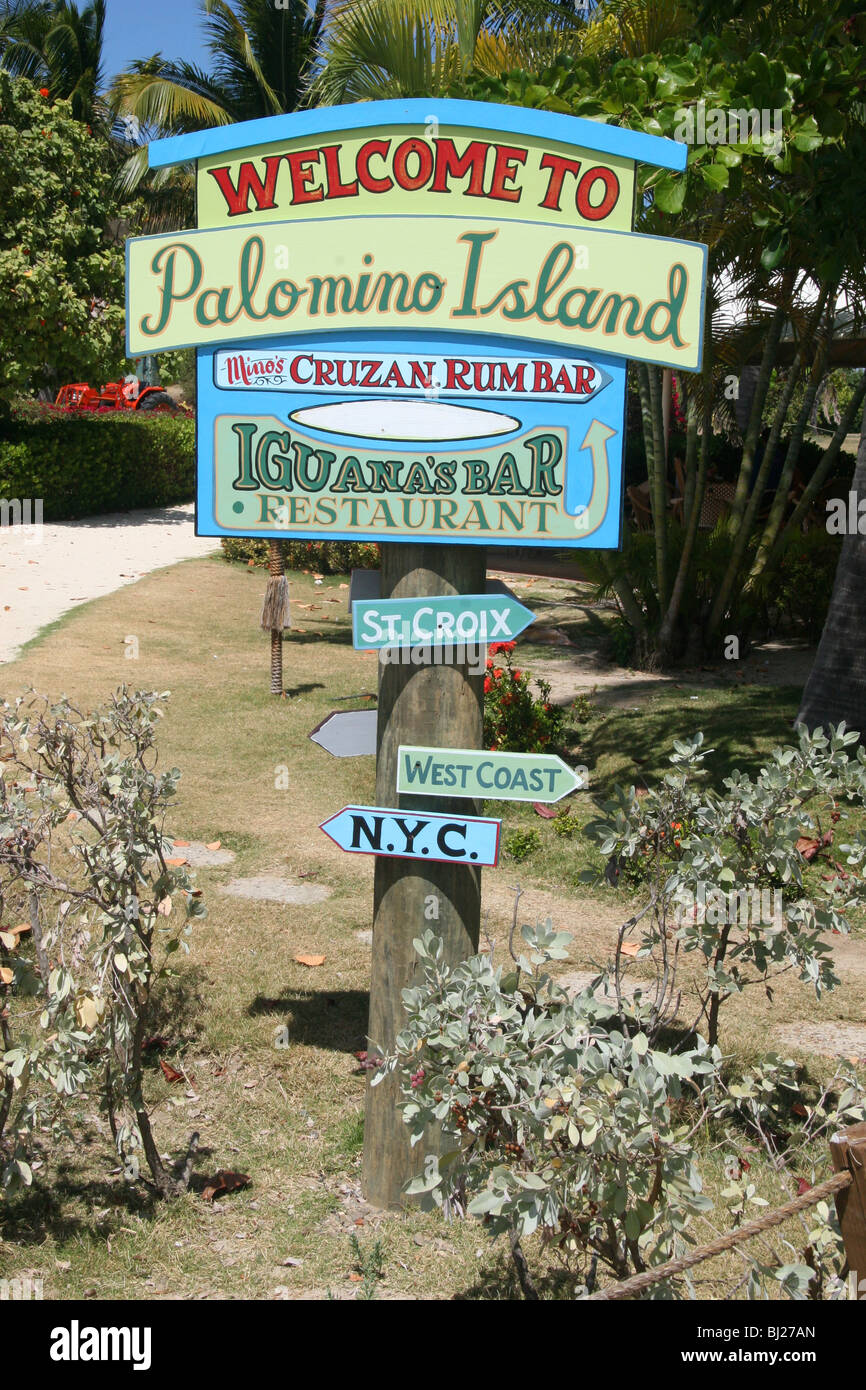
pixel 138 28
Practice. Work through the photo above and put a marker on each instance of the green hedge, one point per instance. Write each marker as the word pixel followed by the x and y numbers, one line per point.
pixel 324 557
pixel 81 465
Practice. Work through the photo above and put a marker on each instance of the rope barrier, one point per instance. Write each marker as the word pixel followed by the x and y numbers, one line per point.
pixel 638 1282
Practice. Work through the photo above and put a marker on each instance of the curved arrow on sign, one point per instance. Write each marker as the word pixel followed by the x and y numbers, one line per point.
pixel 593 515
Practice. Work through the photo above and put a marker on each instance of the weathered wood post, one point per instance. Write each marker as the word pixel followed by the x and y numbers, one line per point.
pixel 442 704
pixel 848 1149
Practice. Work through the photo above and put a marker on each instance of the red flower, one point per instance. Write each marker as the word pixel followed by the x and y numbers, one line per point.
pixel 498 672
pixel 43 92
pixel 488 685
pixel 501 647
pixel 489 665
pixel 516 675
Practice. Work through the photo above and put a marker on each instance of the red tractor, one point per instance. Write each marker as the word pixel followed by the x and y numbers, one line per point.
pixel 125 394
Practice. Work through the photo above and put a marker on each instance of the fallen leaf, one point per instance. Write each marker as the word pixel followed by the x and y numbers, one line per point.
pixel 16 931
pixel 214 844
pixel 164 908
pixel 176 863
pixel 156 1044
pixel 808 848
pixel 803 1186
pixel 224 1181
pixel 9 940
pixel 170 1074
pixel 181 844
pixel 630 948
pixel 310 960
pixel 547 812
pixel 6 975
pixel 290 1260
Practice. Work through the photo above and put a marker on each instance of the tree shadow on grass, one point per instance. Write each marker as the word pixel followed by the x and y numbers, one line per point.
pixel 497 1282
pixel 32 1215
pixel 332 1019
pixel 177 1010
pixel 333 636
pixel 740 732
pixel 303 689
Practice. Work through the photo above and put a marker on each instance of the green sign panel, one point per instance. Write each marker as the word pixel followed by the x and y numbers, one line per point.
pixel 484 776
pixel 409 622
pixel 633 296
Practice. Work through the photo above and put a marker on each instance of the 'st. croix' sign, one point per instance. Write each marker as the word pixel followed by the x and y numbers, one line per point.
pixel 413 320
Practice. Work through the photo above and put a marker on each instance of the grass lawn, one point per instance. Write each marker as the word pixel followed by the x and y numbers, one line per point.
pixel 291 1117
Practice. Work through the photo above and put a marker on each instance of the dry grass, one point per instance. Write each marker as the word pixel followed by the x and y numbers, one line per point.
pixel 288 1117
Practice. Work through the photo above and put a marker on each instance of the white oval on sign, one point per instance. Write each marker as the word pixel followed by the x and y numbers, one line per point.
pixel 396 420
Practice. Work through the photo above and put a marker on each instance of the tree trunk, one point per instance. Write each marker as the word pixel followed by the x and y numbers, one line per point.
pixel 836 688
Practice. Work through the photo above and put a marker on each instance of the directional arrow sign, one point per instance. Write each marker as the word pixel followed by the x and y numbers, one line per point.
pixel 347 733
pixel 411 622
pixel 415 835
pixel 484 776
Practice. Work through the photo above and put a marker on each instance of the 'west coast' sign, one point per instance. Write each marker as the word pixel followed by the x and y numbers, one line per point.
pixel 492 776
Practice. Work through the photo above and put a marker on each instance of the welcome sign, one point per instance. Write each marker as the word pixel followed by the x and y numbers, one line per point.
pixel 413 320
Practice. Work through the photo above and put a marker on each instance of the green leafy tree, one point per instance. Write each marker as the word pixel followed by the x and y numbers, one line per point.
pixel 58 45
pixel 779 215
pixel 61 272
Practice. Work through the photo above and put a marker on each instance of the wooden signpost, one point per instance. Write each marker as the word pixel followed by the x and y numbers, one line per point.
pixel 412 322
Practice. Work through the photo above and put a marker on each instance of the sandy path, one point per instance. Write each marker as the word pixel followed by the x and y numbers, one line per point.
pixel 45 571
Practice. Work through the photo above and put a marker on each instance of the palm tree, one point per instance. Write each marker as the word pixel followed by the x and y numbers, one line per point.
pixel 261 59
pixel 375 49
pixel 836 688
pixel 58 45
